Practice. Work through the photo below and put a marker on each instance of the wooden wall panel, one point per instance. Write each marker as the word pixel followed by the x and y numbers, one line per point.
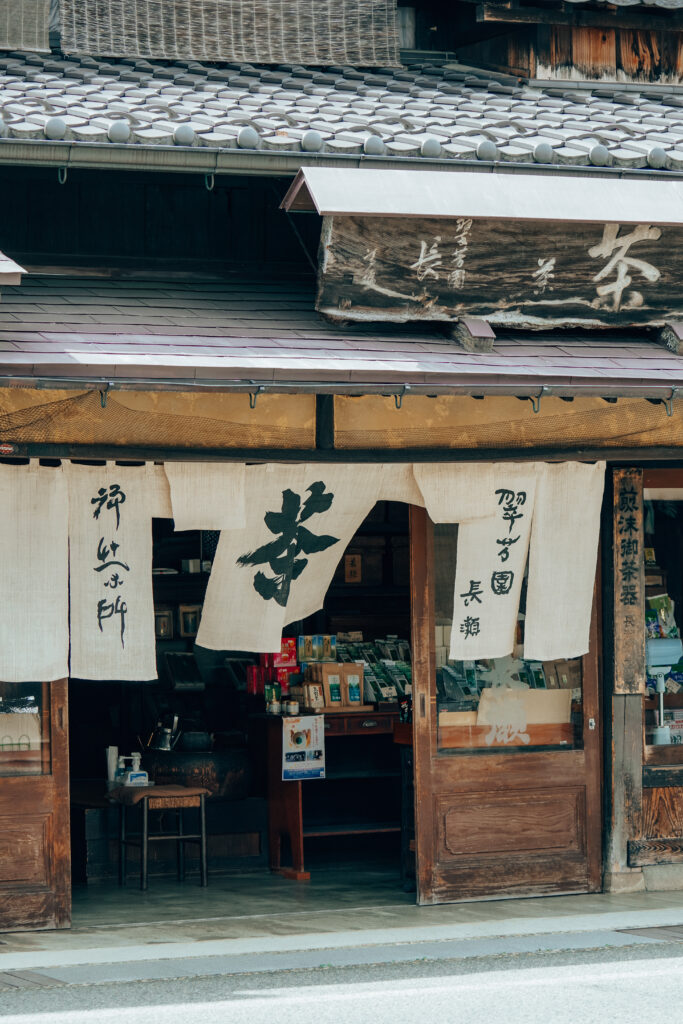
pixel 593 50
pixel 663 813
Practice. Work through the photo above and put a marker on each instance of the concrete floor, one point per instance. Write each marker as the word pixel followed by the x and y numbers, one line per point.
pixel 342 900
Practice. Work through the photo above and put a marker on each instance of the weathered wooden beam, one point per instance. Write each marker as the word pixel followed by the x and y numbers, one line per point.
pixel 625 802
pixel 646 852
pixel 645 21
pixel 324 422
pixel 474 335
pixel 671 335
pixel 400 269
pixel 660 778
pixel 629 582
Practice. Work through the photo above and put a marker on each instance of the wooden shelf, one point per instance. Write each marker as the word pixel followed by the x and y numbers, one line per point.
pixel 671 700
pixel 366 590
pixel 672 754
pixel 368 773
pixel 352 828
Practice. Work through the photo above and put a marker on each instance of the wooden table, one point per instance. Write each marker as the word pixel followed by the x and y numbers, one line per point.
pixel 285 805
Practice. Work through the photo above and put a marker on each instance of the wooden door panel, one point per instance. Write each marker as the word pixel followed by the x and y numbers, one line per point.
pixel 491 772
pixel 514 823
pixel 22 850
pixel 35 861
pixel 522 821
pixel 510 875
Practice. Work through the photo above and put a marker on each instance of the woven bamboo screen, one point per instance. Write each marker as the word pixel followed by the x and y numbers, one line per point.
pixel 24 25
pixel 362 32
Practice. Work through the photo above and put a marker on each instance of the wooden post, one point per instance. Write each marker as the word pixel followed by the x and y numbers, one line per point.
pixel 627 599
pixel 424 696
pixel 629 582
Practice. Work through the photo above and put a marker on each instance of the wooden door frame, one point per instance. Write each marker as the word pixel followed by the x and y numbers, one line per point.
pixel 424 669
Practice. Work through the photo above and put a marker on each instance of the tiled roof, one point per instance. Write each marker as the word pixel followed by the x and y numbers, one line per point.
pixel 441 112
pixel 245 332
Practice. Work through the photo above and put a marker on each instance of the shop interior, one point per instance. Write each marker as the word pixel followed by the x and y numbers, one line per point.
pixel 205 721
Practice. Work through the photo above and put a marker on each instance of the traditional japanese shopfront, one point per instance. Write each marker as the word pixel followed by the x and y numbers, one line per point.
pixel 486 824
pixel 286 448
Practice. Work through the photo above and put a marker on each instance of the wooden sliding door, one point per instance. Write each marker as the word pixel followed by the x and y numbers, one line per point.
pixel 35 858
pixel 500 815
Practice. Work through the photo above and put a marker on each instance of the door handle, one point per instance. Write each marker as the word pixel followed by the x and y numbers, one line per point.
pixel 591 724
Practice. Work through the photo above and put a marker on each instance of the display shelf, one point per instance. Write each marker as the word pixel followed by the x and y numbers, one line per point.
pixel 367 590
pixel 351 828
pixel 367 772
pixel 671 700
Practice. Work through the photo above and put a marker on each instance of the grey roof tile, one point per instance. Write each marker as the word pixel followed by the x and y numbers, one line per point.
pixel 405 106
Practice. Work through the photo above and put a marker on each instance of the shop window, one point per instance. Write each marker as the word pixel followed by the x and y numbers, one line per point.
pixel 24 729
pixel 496 704
pixel 663 711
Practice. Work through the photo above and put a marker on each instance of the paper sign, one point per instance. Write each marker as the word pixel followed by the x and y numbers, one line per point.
pixel 303 748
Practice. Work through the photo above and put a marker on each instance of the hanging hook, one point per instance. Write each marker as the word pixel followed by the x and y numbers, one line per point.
pixel 209 182
pixel 536 399
pixel 61 175
pixel 669 402
pixel 253 395
pixel 104 392
pixel 398 399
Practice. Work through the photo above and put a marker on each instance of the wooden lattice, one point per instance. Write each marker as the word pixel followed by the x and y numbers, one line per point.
pixel 24 25
pixel 360 32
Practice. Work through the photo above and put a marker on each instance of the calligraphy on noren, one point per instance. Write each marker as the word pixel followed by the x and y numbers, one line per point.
pixel 511 508
pixel 419 268
pixel 283 555
pixel 111 566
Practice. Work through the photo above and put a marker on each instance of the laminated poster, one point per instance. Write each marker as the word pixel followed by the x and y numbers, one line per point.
pixel 303 748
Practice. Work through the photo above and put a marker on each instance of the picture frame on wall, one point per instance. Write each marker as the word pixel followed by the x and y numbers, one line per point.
pixel 163 623
pixel 189 616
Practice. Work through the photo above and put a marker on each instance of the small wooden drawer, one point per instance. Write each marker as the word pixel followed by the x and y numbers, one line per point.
pixel 369 724
pixel 335 725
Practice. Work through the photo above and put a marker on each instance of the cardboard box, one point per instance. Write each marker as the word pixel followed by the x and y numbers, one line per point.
pixel 314 696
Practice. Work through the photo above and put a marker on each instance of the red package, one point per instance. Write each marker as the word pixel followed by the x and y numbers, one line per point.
pixel 282 677
pixel 255 680
pixel 287 656
pixel 266 660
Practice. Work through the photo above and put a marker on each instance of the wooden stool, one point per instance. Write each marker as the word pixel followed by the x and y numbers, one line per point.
pixel 161 798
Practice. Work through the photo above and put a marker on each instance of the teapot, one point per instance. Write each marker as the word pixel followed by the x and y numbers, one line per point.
pixel 165 737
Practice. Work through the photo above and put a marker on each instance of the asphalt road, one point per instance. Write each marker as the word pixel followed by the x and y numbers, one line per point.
pixel 631 985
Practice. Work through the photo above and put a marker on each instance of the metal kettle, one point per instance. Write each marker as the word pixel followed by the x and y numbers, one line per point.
pixel 165 737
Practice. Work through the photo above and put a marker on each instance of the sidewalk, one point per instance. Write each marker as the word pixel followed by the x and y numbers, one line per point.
pixel 98 950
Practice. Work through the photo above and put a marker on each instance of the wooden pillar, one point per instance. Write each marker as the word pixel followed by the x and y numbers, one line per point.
pixel 424 696
pixel 625 600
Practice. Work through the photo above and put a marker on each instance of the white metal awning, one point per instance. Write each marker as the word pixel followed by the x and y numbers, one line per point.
pixel 556 197
pixel 10 272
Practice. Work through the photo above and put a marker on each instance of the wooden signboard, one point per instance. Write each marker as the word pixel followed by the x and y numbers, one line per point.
pixel 629 582
pixel 521 273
